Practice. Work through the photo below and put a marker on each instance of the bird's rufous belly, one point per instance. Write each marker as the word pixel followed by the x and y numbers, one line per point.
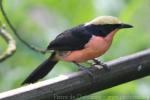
pixel 96 47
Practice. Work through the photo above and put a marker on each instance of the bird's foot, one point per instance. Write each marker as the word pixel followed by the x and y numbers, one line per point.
pixel 97 62
pixel 82 68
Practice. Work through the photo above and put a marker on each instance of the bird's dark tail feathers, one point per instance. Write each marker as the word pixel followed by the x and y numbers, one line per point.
pixel 41 71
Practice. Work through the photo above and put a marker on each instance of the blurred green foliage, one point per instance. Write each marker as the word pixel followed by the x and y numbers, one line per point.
pixel 38 22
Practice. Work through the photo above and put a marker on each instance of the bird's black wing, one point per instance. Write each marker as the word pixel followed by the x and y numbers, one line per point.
pixel 73 39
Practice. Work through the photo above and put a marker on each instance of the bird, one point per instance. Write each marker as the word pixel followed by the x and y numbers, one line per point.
pixel 79 44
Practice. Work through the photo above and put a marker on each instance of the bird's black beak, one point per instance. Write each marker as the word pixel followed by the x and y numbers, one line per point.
pixel 122 25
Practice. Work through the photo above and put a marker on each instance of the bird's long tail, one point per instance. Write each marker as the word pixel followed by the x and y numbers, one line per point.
pixel 42 70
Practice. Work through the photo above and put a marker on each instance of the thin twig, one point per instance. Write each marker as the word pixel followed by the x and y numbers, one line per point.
pixel 11 45
pixel 16 33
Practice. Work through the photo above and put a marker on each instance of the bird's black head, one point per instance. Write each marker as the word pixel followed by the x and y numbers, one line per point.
pixel 104 25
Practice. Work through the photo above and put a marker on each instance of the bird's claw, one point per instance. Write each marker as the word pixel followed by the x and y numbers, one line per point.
pixel 87 71
pixel 82 68
pixel 97 62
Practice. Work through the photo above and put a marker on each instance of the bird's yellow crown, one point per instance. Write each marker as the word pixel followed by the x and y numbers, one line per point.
pixel 104 20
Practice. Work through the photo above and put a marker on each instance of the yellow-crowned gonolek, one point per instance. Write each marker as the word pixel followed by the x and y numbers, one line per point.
pixel 79 44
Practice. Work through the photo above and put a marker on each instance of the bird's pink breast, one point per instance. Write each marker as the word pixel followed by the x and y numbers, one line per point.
pixel 96 47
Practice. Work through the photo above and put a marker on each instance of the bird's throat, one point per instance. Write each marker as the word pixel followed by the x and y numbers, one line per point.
pixel 110 36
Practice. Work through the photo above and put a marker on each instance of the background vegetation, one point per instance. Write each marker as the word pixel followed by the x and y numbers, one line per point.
pixel 38 22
